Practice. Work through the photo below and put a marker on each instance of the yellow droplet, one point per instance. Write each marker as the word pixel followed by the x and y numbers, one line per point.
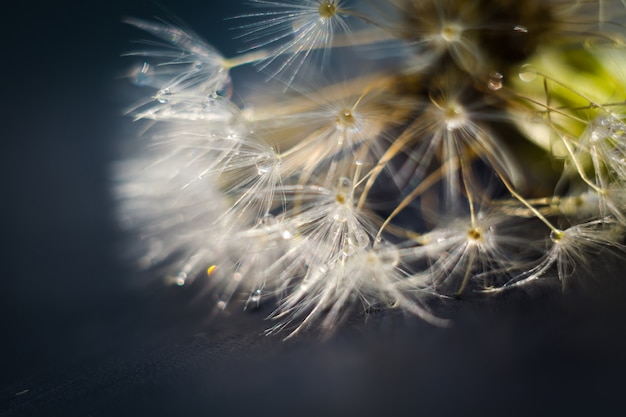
pixel 211 269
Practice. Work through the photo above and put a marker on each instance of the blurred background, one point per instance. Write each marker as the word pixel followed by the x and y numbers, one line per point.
pixel 82 335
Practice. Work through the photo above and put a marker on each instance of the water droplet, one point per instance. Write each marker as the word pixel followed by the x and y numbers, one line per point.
pixel 520 29
pixel 162 96
pixel 255 297
pixel 221 304
pixel 181 279
pixel 265 162
pixel 495 81
pixel 143 76
pixel 527 73
pixel 267 220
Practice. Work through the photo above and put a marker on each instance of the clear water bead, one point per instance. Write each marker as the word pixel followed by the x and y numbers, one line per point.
pixel 527 73
pixel 268 220
pixel 265 162
pixel 255 297
pixel 495 81
pixel 162 95
pixel 181 279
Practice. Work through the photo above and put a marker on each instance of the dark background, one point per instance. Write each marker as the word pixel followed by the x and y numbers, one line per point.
pixel 80 337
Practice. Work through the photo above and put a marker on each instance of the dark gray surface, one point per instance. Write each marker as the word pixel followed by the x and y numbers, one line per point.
pixel 80 337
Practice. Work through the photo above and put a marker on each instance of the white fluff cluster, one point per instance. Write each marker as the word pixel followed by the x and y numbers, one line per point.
pixel 393 151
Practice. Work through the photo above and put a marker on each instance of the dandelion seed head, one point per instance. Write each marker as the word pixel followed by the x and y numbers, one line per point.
pixel 451 32
pixel 341 185
pixel 475 234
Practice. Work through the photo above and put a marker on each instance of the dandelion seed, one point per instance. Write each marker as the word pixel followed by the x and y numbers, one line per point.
pixel 485 250
pixel 294 30
pixel 573 248
pixel 185 69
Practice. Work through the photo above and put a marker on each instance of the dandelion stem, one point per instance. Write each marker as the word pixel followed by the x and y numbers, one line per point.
pixel 522 200
pixel 470 199
pixel 424 185
pixel 579 168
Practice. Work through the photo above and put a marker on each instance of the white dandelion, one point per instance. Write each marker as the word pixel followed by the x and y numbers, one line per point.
pixel 572 252
pixel 293 31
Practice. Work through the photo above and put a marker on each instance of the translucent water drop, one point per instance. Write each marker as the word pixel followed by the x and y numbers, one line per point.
pixel 495 81
pixel 181 279
pixel 527 73
pixel 267 220
pixel 143 76
pixel 162 96
pixel 255 297
pixel 265 162
pixel 221 304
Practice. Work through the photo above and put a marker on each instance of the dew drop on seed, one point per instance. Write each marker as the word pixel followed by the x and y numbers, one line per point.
pixel 143 77
pixel 255 297
pixel 520 29
pixel 265 162
pixel 267 220
pixel 495 81
pixel 527 73
pixel 181 279
pixel 162 96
